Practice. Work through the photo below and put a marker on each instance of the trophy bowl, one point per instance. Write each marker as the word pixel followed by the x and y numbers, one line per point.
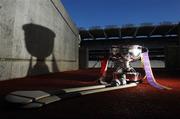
pixel 131 52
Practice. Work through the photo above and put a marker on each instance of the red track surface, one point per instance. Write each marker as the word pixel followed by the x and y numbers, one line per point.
pixel 142 101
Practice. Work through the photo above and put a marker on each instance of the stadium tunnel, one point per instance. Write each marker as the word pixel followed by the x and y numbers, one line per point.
pixel 162 40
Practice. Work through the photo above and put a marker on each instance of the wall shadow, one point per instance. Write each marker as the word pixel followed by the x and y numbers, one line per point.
pixel 39 42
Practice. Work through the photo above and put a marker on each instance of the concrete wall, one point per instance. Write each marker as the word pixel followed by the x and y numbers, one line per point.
pixel 36 37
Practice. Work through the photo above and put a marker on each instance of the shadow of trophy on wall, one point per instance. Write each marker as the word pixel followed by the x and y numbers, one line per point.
pixel 39 43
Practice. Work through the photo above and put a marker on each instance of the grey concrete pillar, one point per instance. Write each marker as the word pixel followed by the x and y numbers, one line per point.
pixel 83 58
pixel 172 61
pixel 172 53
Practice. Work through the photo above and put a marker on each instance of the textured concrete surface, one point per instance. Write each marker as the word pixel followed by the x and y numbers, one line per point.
pixel 36 37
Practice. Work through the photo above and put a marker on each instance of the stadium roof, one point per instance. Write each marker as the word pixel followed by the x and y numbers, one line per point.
pixel 163 29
